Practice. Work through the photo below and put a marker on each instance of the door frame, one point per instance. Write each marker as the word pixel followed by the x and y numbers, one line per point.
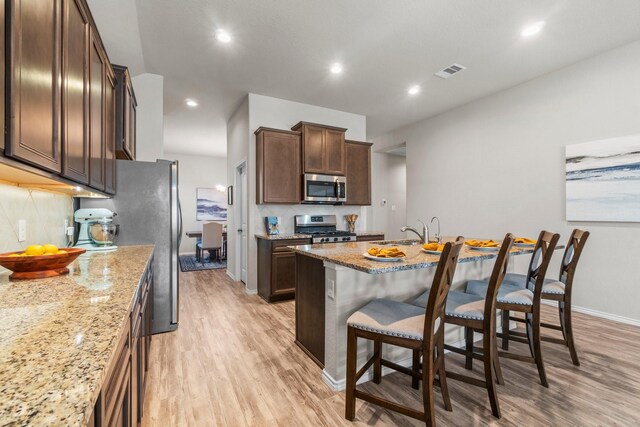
pixel 241 210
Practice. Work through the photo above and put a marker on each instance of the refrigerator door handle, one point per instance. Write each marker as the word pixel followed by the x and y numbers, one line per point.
pixel 180 227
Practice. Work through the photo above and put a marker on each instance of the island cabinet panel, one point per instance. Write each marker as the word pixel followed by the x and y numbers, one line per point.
pixel 34 88
pixel 310 307
pixel 358 173
pixel 75 92
pixel 323 148
pixel 277 268
pixel 278 166
pixel 97 67
pixel 126 105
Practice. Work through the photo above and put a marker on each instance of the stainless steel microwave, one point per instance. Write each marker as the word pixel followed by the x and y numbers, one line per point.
pixel 324 189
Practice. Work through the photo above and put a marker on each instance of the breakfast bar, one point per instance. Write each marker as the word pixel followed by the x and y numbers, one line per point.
pixel 335 280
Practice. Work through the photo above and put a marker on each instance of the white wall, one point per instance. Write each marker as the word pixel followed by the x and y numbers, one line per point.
pixel 149 90
pixel 280 114
pixel 497 165
pixel 237 152
pixel 389 182
pixel 195 172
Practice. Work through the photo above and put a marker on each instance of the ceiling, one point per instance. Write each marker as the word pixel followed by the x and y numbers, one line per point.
pixel 284 49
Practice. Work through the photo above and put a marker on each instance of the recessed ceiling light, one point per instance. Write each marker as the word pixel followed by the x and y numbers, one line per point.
pixel 336 68
pixel 414 90
pixel 533 29
pixel 191 103
pixel 223 36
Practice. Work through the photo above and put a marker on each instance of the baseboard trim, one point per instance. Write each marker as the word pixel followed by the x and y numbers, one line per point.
pixel 250 291
pixel 230 274
pixel 601 314
pixel 341 385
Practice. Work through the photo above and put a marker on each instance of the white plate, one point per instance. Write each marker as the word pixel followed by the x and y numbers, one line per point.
pixel 490 249
pixel 375 258
pixel 524 245
pixel 431 252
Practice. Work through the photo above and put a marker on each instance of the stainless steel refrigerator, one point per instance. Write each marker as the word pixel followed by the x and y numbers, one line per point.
pixel 148 211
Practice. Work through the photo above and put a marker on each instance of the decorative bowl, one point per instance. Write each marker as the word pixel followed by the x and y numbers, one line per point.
pixel 38 267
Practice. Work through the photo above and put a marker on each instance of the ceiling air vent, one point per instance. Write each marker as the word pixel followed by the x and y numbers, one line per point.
pixel 450 71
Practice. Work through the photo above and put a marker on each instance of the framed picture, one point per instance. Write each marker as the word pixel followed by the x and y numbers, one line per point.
pixel 603 180
pixel 210 205
pixel 230 195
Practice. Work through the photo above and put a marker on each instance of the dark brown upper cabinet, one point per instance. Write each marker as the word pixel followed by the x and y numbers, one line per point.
pixel 323 148
pixel 126 105
pixel 110 132
pixel 97 65
pixel 279 173
pixel 35 79
pixel 75 91
pixel 358 173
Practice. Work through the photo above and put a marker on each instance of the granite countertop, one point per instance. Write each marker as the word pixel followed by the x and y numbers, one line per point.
pixel 351 255
pixel 308 236
pixel 58 336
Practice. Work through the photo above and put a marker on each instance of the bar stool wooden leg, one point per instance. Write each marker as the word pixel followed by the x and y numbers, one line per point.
pixel 415 382
pixel 427 391
pixel 496 361
pixel 568 328
pixel 352 344
pixel 505 329
pixel 537 348
pixel 442 375
pixel 377 365
pixel 468 340
pixel 488 350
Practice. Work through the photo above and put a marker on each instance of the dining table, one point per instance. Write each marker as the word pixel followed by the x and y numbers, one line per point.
pixel 197 234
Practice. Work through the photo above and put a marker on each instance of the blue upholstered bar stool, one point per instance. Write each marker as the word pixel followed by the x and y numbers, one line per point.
pixel 408 326
pixel 560 291
pixel 478 314
pixel 525 300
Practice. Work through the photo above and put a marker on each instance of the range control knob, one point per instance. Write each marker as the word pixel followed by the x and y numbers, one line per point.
pixel 344 239
pixel 335 239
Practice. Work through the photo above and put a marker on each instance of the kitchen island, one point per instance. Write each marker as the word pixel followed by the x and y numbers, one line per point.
pixel 335 280
pixel 62 338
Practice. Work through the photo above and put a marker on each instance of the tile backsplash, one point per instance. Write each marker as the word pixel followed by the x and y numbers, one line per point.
pixel 287 212
pixel 43 212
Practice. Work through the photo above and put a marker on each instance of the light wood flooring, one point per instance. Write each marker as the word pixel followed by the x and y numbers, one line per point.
pixel 233 362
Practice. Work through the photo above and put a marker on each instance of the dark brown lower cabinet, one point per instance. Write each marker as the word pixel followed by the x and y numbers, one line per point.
pixel 277 268
pixel 115 397
pixel 310 307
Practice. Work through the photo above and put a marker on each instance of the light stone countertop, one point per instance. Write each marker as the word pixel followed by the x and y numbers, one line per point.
pixel 58 336
pixel 350 255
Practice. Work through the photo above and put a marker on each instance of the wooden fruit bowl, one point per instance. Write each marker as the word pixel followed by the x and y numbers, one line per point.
pixel 38 267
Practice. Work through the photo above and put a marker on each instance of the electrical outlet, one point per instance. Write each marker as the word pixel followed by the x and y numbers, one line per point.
pixel 22 230
pixel 393 208
pixel 66 226
pixel 69 231
pixel 331 290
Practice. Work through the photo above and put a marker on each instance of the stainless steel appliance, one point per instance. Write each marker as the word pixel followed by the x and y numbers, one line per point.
pixel 322 229
pixel 324 189
pixel 97 230
pixel 149 213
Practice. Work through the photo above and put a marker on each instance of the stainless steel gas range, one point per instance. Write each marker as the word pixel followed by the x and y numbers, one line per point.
pixel 322 228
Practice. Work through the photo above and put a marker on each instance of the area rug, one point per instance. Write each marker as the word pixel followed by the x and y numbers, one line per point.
pixel 189 263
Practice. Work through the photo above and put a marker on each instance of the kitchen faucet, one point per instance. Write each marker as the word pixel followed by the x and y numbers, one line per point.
pixel 438 236
pixel 424 237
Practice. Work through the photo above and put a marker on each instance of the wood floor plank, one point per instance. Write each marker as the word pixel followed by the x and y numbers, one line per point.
pixel 233 362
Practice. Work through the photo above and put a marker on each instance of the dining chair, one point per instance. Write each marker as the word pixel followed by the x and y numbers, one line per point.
pixel 560 291
pixel 524 300
pixel 211 240
pixel 478 314
pixel 405 325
